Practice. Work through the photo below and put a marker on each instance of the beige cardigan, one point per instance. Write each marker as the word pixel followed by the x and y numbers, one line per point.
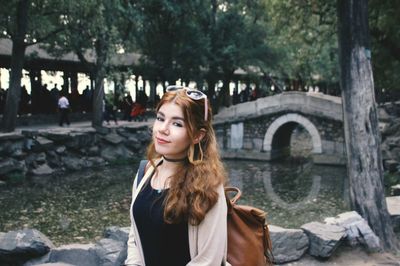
pixel 207 241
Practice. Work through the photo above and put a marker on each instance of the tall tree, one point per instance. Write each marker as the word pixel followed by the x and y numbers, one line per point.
pixel 306 41
pixel 167 34
pixel 91 32
pixel 364 162
pixel 25 23
pixel 237 33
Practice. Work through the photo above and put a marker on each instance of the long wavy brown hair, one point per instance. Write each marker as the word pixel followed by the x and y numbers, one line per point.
pixel 193 188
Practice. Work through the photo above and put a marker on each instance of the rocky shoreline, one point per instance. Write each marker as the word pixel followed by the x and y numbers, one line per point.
pixel 30 247
pixel 44 152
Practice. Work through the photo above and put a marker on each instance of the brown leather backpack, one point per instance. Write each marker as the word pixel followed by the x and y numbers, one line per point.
pixel 249 243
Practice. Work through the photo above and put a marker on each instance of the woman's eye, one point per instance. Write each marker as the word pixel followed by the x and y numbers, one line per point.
pixel 159 118
pixel 177 124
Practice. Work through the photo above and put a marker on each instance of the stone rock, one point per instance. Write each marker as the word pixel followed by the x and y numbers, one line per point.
pixel 86 163
pixel 392 141
pixel 382 126
pixel 383 115
pixel 55 264
pixel 41 144
pixel 6 148
pixel 324 238
pixel 72 163
pixel 30 133
pixel 112 153
pixel 74 254
pixel 117 233
pixel 287 244
pixel 94 151
pixel 144 137
pixel 124 133
pixel 102 130
pixel 78 140
pixel 113 138
pixel 61 149
pixel 56 136
pixel 111 252
pixel 16 247
pixel 391 165
pixel 16 146
pixel 30 160
pixel 392 130
pixel 395 152
pixel 393 205
pixel 97 161
pixel 53 159
pixel 133 143
pixel 40 158
pixel 357 230
pixel 11 165
pixel 44 141
pixel 386 154
pixel 43 169
pixel 18 154
pixel 395 190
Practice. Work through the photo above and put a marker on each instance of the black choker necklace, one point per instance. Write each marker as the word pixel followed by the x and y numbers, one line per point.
pixel 175 160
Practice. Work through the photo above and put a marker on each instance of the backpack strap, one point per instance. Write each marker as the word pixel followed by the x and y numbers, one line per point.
pixel 141 171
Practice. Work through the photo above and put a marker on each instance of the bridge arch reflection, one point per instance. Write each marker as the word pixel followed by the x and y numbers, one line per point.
pixel 277 138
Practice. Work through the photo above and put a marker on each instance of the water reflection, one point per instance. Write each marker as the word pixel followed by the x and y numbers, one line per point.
pixel 76 207
pixel 291 193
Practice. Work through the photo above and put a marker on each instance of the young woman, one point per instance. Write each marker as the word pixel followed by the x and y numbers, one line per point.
pixel 178 211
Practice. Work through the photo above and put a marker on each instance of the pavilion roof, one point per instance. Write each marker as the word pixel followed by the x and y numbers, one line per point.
pixel 37 56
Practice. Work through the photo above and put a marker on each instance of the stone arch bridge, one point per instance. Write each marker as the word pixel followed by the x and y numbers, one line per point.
pixel 262 129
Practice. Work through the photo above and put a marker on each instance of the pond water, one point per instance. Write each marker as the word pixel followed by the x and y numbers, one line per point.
pixel 77 207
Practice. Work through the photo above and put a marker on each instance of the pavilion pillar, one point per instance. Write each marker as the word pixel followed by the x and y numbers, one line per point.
pixel 65 86
pixel 36 91
pixel 235 96
pixel 200 84
pixel 153 91
pixel 136 87
pixel 74 82
pixel 92 82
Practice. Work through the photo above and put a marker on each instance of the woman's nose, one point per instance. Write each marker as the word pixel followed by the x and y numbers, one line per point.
pixel 164 128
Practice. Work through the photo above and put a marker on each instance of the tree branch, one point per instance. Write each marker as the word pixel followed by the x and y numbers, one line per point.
pixel 41 39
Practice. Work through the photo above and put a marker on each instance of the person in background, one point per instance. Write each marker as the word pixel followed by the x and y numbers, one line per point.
pixel 127 104
pixel 109 111
pixel 63 107
pixel 178 210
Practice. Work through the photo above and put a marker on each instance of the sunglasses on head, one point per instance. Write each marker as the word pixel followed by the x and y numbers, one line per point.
pixel 192 94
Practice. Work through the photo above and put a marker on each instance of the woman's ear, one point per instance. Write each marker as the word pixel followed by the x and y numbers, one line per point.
pixel 199 136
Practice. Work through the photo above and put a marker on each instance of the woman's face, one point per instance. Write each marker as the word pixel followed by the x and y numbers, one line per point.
pixel 170 133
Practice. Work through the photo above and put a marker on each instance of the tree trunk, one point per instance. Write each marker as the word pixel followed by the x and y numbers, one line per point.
pixel 100 73
pixel 364 162
pixel 17 63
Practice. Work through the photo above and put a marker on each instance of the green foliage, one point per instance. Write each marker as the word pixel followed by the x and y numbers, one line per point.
pixel 305 37
pixel 43 17
pixel 167 33
pixel 210 39
pixel 385 40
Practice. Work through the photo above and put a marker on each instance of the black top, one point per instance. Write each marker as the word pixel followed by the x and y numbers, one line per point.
pixel 162 243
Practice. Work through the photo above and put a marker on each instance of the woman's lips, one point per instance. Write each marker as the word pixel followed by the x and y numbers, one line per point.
pixel 161 141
